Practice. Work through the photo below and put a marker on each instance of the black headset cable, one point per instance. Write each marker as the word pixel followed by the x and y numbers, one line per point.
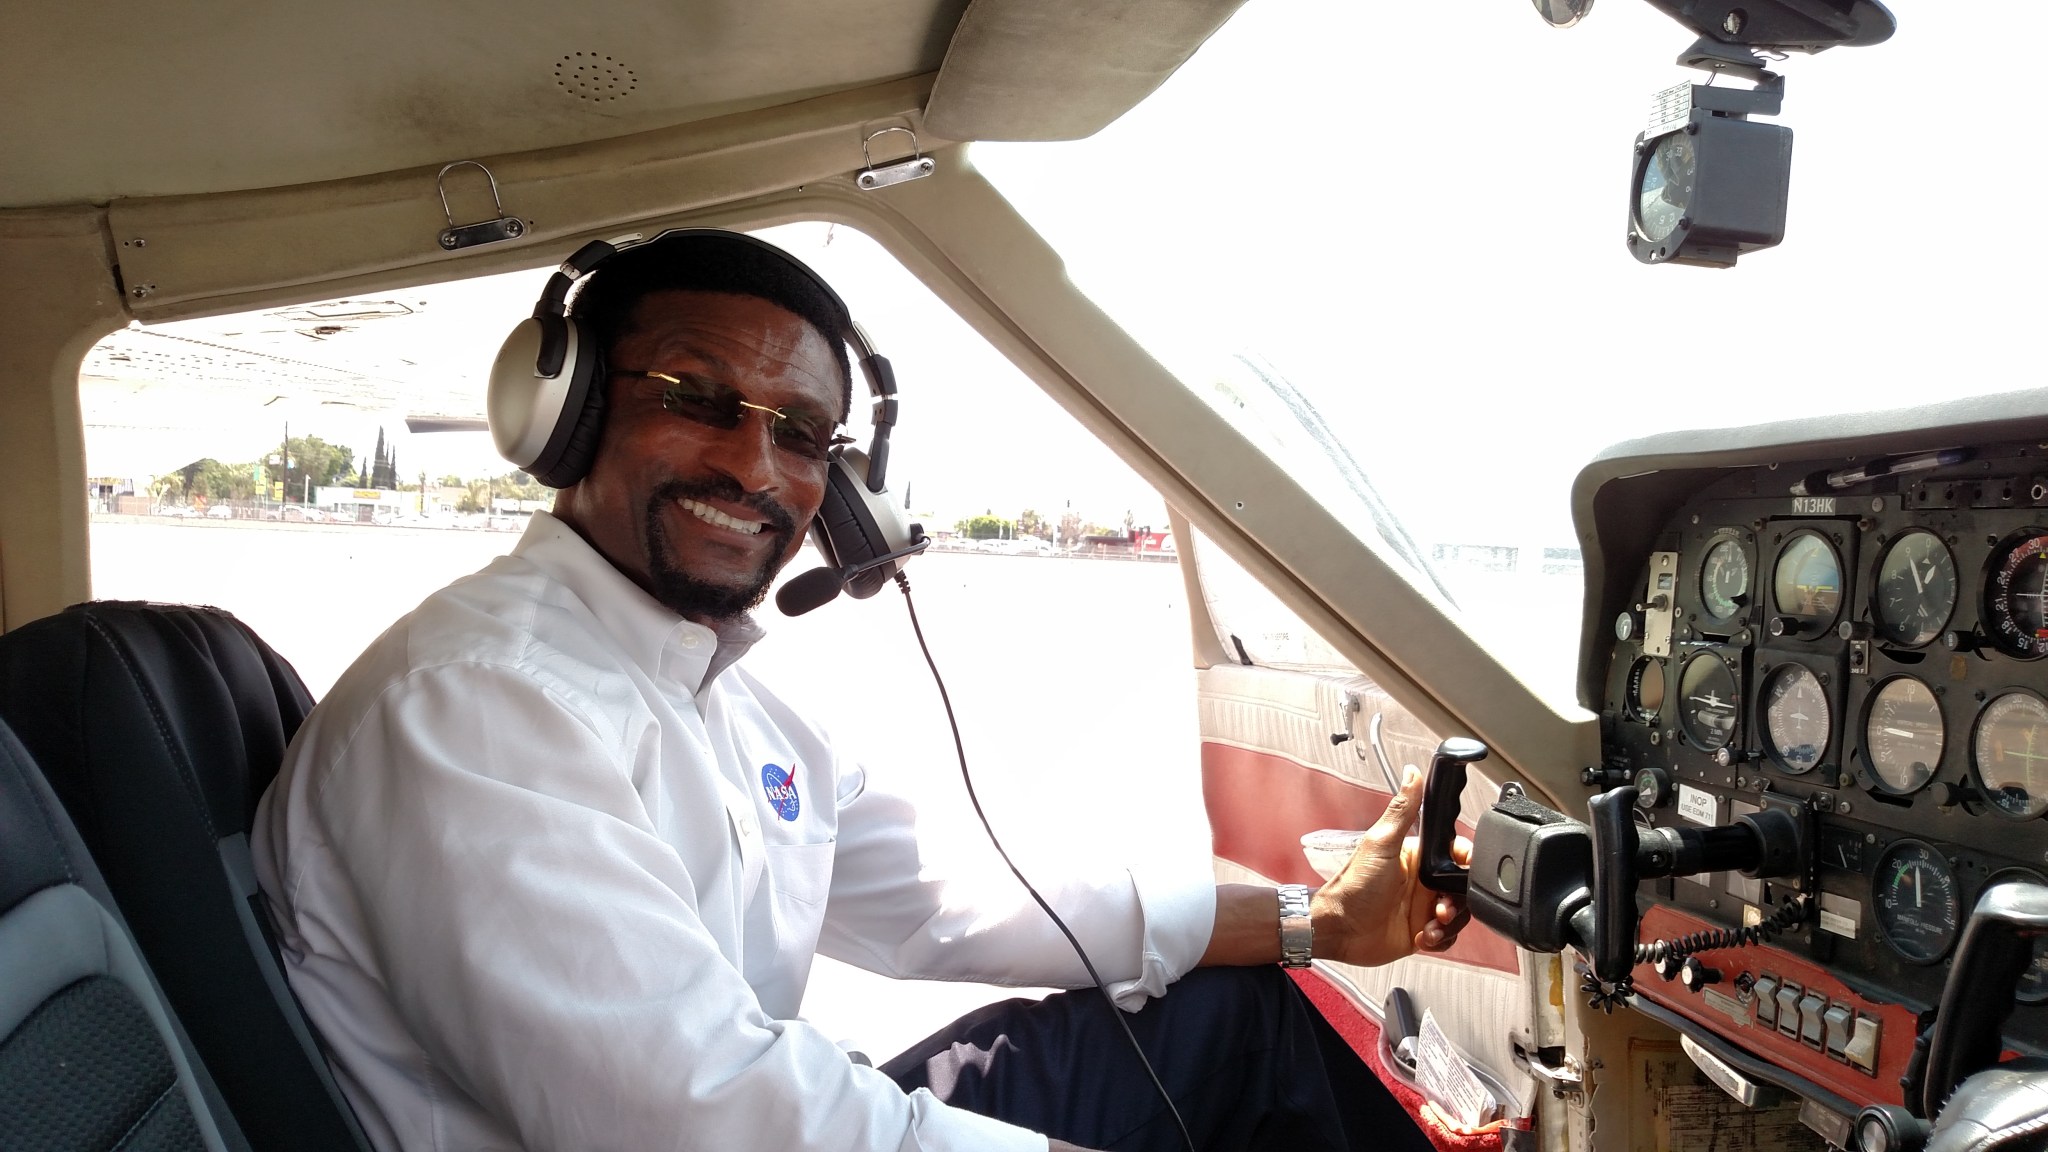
pixel 961 749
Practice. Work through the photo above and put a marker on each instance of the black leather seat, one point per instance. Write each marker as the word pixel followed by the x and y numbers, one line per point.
pixel 158 727
pixel 91 1058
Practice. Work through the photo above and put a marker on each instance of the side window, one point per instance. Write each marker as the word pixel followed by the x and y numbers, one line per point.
pixel 1251 623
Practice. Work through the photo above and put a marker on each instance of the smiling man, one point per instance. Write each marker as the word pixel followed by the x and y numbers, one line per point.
pixel 550 868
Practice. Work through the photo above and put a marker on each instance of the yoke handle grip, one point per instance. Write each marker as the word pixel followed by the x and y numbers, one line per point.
pixel 1612 816
pixel 1440 871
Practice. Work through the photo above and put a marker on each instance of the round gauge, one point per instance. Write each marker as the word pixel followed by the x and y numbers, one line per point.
pixel 1916 589
pixel 1903 734
pixel 2016 595
pixel 2033 986
pixel 1918 901
pixel 1724 579
pixel 1645 698
pixel 2010 753
pixel 1665 188
pixel 1706 704
pixel 1797 723
pixel 1807 583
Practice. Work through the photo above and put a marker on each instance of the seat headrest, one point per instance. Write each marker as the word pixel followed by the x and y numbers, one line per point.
pixel 95 688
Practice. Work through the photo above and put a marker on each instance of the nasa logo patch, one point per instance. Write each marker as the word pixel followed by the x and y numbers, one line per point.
pixel 781 789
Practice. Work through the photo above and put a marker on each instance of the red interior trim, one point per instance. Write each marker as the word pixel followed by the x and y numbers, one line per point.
pixel 1260 805
pixel 1362 1032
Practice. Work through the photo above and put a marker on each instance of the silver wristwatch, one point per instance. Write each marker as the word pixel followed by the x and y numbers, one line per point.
pixel 1296 935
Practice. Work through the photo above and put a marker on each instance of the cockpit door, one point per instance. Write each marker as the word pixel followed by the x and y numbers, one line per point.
pixel 1298 747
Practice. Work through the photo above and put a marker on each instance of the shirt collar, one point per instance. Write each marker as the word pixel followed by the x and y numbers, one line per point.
pixel 657 640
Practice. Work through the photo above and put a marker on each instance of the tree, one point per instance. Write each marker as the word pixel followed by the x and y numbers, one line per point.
pixel 1030 523
pixel 314 463
pixel 984 527
pixel 1071 529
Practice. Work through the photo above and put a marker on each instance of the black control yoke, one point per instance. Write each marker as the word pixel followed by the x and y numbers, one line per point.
pixel 1549 882
pixel 1997 948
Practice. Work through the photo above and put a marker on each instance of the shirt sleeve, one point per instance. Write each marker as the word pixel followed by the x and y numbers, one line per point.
pixel 543 944
pixel 889 912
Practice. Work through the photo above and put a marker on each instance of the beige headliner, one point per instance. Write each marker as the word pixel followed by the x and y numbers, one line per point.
pixel 113 100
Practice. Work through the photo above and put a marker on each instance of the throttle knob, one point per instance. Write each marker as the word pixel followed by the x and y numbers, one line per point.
pixel 1667 967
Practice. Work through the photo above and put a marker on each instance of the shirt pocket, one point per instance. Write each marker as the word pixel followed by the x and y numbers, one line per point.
pixel 801 872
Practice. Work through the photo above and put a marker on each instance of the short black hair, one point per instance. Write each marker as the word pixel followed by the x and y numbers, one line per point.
pixel 713 261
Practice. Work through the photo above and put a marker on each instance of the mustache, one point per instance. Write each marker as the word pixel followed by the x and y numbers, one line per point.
pixel 780 520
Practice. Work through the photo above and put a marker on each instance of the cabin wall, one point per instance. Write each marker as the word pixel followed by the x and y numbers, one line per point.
pixel 58 296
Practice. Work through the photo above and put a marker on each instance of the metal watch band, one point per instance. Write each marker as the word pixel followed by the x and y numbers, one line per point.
pixel 1296 936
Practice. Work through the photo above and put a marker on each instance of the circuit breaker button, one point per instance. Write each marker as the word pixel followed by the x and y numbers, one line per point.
pixel 1862 1047
pixel 1837 1019
pixel 1765 990
pixel 1788 1010
pixel 1811 1006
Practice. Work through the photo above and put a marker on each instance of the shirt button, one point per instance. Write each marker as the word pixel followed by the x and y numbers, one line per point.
pixel 690 639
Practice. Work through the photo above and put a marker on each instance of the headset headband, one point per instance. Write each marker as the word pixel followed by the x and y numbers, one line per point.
pixel 554 308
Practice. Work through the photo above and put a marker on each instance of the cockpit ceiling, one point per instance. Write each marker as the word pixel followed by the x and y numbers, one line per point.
pixel 124 99
pixel 119 99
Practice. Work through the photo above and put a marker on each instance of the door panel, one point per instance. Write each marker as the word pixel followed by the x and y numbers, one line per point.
pixel 1271 774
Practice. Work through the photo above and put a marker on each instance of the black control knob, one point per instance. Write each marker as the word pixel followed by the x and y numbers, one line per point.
pixel 1653 788
pixel 1628 625
pixel 1604 778
pixel 1695 975
pixel 1961 640
pixel 1890 1128
pixel 1853 630
pixel 1729 756
pixel 1783 626
pixel 1668 966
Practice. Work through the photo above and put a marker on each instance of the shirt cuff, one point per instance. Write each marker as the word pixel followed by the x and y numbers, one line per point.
pixel 1179 912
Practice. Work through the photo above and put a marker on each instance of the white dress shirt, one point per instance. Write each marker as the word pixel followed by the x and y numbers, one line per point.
pixel 549 872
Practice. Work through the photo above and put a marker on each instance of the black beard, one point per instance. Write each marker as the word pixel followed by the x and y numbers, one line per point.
pixel 696 599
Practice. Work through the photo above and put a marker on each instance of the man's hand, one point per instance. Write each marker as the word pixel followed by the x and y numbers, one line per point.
pixel 1376 910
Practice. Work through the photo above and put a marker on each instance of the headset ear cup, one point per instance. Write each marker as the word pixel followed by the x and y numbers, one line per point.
pixel 854 525
pixel 576 451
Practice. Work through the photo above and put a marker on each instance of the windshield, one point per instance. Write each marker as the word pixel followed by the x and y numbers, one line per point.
pixel 1404 227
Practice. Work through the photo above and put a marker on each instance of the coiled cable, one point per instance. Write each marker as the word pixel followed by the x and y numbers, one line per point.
pixel 1790 913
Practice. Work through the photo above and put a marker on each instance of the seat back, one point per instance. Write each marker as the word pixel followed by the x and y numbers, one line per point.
pixel 91 1058
pixel 158 727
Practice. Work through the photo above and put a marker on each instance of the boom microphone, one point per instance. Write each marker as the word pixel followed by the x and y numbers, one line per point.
pixel 821 586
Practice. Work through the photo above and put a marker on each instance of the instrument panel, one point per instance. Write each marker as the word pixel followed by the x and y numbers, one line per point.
pixel 1873 647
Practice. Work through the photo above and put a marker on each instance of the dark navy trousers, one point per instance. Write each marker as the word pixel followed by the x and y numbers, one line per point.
pixel 1248 1060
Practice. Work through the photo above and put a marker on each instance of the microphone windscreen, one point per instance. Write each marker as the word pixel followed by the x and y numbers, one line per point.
pixel 813 589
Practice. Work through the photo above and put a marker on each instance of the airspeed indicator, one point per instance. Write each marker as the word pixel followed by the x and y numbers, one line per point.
pixel 1724 579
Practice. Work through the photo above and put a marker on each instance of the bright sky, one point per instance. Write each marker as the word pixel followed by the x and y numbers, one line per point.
pixel 1416 214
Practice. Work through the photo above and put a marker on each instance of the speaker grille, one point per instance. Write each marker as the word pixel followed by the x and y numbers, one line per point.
pixel 595 77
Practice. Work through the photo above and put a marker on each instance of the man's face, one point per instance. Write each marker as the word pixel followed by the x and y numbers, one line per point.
pixel 702 517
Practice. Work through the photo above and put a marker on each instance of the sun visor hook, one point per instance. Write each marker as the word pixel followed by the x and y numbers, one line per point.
pixel 916 167
pixel 459 236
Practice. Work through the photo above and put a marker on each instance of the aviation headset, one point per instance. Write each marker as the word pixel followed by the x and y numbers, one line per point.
pixel 547 404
